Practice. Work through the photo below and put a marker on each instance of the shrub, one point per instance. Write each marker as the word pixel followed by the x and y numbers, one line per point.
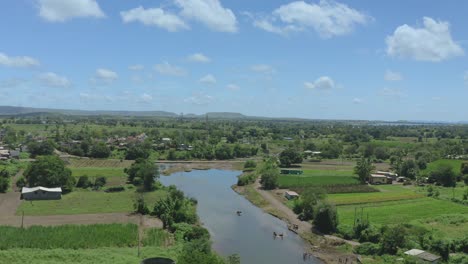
pixel 392 238
pixel 465 179
pixel 83 182
pixel 115 189
pixel 4 183
pixel 325 217
pixel 246 179
pixel 100 182
pixel 21 182
pixel 250 164
pixel 139 206
pixel 367 248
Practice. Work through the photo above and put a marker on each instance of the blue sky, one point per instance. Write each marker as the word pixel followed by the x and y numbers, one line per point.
pixel 378 60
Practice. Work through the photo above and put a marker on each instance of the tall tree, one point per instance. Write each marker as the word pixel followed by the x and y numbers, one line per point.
pixel 145 171
pixel 49 171
pixel 363 169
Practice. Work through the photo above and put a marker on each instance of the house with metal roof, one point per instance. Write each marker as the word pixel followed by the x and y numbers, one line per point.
pixel 424 256
pixel 41 193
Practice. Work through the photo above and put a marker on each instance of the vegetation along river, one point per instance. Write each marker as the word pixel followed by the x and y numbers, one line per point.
pixel 250 234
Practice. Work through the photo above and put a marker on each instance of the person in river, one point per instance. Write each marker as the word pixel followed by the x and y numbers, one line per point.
pixel 239 213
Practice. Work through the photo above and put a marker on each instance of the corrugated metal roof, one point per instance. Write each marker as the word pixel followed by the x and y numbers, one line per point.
pixel 39 188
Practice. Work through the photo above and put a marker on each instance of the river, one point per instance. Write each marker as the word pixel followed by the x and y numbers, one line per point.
pixel 249 235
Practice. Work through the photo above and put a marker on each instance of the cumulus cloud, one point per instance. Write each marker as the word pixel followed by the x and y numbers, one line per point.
pixel 51 79
pixel 105 76
pixel 393 76
pixel 210 13
pixel 167 69
pixel 154 17
pixel 136 67
pixel 263 68
pixel 327 18
pixel 199 57
pixel 357 100
pixel 322 83
pixel 233 87
pixel 20 62
pixel 199 99
pixel 208 79
pixel 145 98
pixel 432 42
pixel 61 11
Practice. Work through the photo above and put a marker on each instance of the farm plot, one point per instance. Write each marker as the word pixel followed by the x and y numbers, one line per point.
pixel 98 172
pixel 455 164
pixel 450 226
pixel 402 211
pixel 385 194
pixel 99 163
pixel 317 178
pixel 89 202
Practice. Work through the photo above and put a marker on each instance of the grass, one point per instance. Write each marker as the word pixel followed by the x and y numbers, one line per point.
pixel 386 193
pixel 112 255
pixel 401 211
pixel 157 237
pixel 98 172
pixel 317 177
pixel 450 226
pixel 69 236
pixel 445 192
pixel 88 202
pixel 455 164
pixel 99 163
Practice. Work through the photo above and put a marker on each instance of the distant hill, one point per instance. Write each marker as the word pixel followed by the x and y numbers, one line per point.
pixel 17 110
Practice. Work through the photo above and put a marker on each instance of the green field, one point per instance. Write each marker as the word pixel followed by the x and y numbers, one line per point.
pixel 455 164
pixel 400 211
pixel 387 193
pixel 450 226
pixel 317 177
pixel 98 172
pixel 88 202
pixel 98 163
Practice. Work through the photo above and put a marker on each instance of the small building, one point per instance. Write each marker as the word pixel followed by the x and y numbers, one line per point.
pixel 14 154
pixel 41 193
pixel 394 176
pixel 424 256
pixel 291 195
pixel 377 179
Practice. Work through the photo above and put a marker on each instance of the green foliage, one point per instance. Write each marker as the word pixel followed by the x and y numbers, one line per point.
pixel 246 179
pixel 41 148
pixel 198 251
pixel 100 182
pixel 269 174
pixel 325 217
pixel 363 169
pixel 49 171
pixel 156 237
pixel 290 156
pixel 250 164
pixel 392 238
pixel 305 205
pixel 175 208
pixel 83 182
pixel 464 168
pixel 4 183
pixel 138 151
pixel 69 236
pixel 409 168
pixel 21 182
pixel 368 248
pixel 99 150
pixel 443 175
pixel 144 170
pixel 139 205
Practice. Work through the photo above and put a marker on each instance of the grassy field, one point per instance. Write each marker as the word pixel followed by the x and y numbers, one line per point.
pixel 69 236
pixel 450 226
pixel 400 211
pixel 98 172
pixel 455 164
pixel 317 177
pixel 88 202
pixel 387 193
pixel 99 163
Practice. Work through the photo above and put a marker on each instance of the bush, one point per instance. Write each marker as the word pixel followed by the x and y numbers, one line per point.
pixel 100 182
pixel 4 183
pixel 250 164
pixel 465 179
pixel 367 248
pixel 139 206
pixel 21 182
pixel 246 179
pixel 115 189
pixel 83 182
pixel 325 217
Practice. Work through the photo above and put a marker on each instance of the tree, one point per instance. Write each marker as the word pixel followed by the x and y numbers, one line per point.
pixel 100 150
pixel 139 205
pixel 49 171
pixel 443 175
pixel 137 151
pixel 409 169
pixel 392 238
pixel 269 179
pixel 4 183
pixel 363 169
pixel 250 164
pixel 41 148
pixel 309 199
pixel 83 182
pixel 289 156
pixel 325 217
pixel 464 168
pixel 144 170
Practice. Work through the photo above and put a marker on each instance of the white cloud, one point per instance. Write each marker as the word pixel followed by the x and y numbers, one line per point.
pixel 327 18
pixel 20 62
pixel 391 92
pixel 146 98
pixel 199 99
pixel 263 68
pixel 167 69
pixel 136 67
pixel 433 42
pixel 105 76
pixel 154 17
pixel 357 100
pixel 393 76
pixel 322 83
pixel 61 11
pixel 54 80
pixel 210 13
pixel 233 87
pixel 208 79
pixel 199 57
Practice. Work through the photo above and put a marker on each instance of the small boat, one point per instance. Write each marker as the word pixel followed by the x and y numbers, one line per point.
pixel 239 213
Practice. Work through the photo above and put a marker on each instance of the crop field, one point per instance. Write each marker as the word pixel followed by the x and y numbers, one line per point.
pixel 455 164
pixel 157 237
pixel 445 192
pixel 400 211
pixel 386 193
pixel 450 226
pixel 89 202
pixel 99 163
pixel 98 172
pixel 69 236
pixel 317 178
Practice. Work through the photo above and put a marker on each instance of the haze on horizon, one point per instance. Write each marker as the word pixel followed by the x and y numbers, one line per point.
pixel 394 60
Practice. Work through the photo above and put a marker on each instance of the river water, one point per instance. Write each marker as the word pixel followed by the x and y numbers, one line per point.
pixel 249 235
